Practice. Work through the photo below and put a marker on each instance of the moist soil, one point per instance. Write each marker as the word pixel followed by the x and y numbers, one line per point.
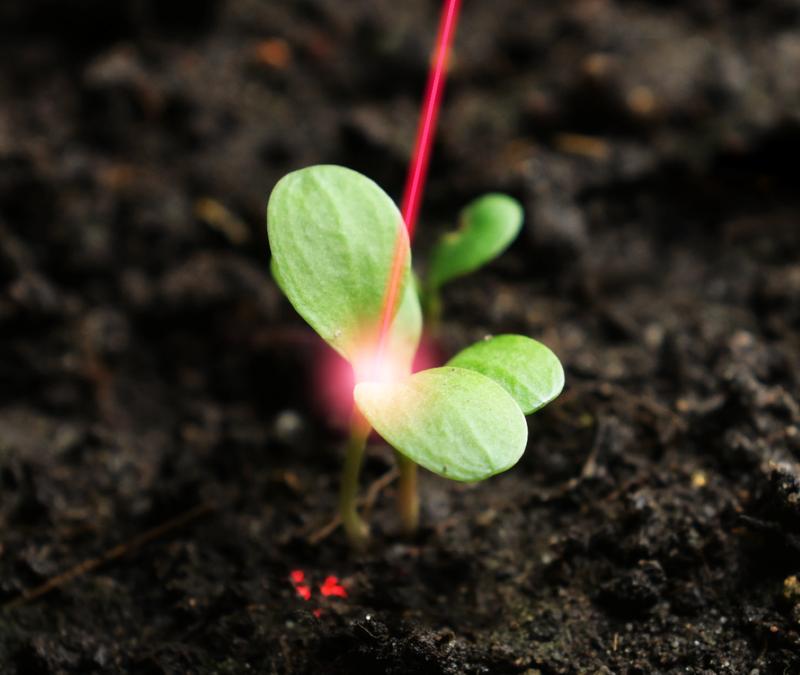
pixel 162 425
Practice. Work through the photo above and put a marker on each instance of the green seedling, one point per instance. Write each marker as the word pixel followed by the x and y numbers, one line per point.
pixel 334 235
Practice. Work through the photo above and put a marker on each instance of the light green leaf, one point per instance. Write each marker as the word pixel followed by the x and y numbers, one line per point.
pixel 333 235
pixel 525 368
pixel 407 324
pixel 454 422
pixel 488 226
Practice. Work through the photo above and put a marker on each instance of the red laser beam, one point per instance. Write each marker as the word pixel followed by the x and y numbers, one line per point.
pixel 426 130
pixel 420 160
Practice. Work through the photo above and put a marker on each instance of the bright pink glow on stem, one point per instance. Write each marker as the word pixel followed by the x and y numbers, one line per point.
pixel 420 159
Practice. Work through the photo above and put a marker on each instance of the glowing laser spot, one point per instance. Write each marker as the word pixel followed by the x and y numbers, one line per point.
pixel 297 578
pixel 420 160
pixel 331 586
pixel 373 367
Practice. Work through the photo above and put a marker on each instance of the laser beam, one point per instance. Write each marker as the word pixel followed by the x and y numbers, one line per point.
pixel 420 160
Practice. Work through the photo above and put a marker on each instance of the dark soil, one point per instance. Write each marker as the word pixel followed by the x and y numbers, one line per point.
pixel 150 370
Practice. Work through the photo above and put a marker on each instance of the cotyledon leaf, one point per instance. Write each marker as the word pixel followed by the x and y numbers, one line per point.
pixel 527 369
pixel 452 421
pixel 333 234
pixel 487 226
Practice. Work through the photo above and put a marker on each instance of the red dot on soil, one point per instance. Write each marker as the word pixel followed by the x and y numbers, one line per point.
pixel 317 613
pixel 304 591
pixel 331 586
pixel 297 576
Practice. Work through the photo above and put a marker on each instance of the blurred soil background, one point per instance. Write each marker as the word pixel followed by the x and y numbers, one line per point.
pixel 150 369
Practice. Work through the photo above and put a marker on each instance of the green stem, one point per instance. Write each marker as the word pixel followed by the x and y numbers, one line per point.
pixel 407 495
pixel 432 304
pixel 356 529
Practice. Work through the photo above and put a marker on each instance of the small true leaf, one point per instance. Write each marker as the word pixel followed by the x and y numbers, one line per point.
pixel 454 422
pixel 488 225
pixel 333 235
pixel 525 368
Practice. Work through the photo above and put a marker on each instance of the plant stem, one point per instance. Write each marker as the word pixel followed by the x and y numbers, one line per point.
pixel 356 529
pixel 432 306
pixel 407 496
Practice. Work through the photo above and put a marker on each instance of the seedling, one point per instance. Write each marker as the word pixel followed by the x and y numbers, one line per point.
pixel 334 235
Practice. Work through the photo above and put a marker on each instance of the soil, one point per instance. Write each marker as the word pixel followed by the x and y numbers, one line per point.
pixel 159 395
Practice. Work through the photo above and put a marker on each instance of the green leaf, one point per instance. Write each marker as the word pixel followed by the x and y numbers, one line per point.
pixel 488 226
pixel 333 235
pixel 454 422
pixel 525 368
